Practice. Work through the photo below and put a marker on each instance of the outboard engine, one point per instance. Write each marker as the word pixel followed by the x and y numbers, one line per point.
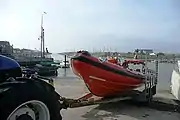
pixel 9 68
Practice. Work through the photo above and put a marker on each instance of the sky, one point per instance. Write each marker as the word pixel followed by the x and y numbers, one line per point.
pixel 121 25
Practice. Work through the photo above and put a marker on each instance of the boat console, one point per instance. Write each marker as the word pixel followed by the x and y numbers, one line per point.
pixel 135 66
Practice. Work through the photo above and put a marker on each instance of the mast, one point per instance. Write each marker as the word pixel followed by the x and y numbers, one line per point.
pixel 42 37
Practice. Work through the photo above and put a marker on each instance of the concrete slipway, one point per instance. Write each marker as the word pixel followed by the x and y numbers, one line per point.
pixel 165 105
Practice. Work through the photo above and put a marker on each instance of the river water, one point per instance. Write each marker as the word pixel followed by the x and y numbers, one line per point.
pixel 164 76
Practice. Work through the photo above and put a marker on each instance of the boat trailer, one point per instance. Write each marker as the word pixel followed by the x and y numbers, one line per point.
pixel 143 94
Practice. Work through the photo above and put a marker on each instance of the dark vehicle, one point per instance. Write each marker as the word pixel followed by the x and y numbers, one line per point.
pixel 25 98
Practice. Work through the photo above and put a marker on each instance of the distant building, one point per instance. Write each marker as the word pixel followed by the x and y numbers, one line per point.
pixel 149 51
pixel 26 53
pixel 6 48
pixel 16 50
pixel 144 51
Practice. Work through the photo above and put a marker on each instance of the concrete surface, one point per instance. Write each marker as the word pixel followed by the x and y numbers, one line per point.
pixel 175 84
pixel 73 88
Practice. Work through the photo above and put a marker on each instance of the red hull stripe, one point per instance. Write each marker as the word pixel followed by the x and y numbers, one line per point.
pixel 105 67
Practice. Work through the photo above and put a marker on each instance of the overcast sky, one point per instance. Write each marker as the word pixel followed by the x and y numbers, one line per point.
pixel 86 24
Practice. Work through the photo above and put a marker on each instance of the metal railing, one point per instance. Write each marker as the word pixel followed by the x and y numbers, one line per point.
pixel 151 79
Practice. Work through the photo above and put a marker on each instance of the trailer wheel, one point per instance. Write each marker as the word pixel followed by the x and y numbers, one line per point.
pixel 29 104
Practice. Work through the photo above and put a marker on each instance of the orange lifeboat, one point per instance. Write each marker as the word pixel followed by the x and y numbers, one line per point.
pixel 103 78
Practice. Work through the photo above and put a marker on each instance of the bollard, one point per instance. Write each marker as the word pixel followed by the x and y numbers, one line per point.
pixel 65 57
